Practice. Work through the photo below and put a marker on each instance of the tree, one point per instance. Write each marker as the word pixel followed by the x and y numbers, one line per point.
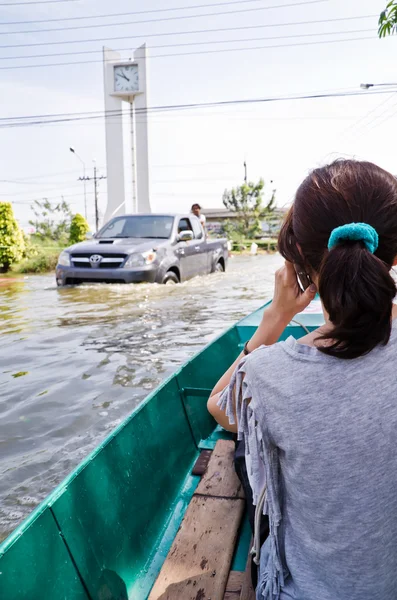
pixel 247 201
pixel 52 220
pixel 388 20
pixel 78 229
pixel 11 238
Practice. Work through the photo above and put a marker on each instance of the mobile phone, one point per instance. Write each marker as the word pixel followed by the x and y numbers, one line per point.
pixel 303 278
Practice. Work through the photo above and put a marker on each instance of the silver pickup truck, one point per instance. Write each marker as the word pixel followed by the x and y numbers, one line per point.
pixel 161 248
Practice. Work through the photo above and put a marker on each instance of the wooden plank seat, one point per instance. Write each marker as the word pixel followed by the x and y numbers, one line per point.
pixel 198 563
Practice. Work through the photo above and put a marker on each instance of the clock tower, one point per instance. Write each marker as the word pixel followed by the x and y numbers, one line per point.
pixel 127 136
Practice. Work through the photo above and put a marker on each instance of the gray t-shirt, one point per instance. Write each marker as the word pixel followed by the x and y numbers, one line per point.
pixel 321 435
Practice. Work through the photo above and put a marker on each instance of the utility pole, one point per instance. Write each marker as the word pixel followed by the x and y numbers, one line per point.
pixel 245 172
pixel 95 179
pixel 96 198
pixel 73 151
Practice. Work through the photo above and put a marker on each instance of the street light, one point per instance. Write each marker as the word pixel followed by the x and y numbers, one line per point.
pixel 73 151
pixel 367 86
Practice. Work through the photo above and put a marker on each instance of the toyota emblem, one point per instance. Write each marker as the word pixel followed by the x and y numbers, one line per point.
pixel 95 259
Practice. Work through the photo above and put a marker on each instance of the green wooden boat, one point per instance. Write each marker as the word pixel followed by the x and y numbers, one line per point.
pixel 105 531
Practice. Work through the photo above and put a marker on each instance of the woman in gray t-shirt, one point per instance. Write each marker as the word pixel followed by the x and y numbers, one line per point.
pixel 319 415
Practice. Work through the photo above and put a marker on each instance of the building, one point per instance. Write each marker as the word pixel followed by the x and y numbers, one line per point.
pixel 216 217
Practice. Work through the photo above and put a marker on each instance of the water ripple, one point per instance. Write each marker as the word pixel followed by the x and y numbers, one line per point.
pixel 74 362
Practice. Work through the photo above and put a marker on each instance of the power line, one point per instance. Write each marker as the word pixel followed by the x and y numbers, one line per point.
pixel 374 123
pixel 67 117
pixel 28 180
pixel 127 14
pixel 69 186
pixel 183 44
pixel 41 192
pixel 38 196
pixel 118 112
pixel 162 19
pixel 218 114
pixel 201 52
pixel 36 2
pixel 173 33
pixel 16 182
pixel 364 117
pixel 251 120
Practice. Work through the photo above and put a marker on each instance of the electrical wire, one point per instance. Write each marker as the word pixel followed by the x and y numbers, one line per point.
pixel 201 52
pixel 101 114
pixel 69 186
pixel 184 44
pixel 28 180
pixel 161 19
pixel 373 124
pixel 354 125
pixel 36 2
pixel 253 121
pixel 120 112
pixel 42 192
pixel 128 14
pixel 235 115
pixel 30 202
pixel 16 182
pixel 173 33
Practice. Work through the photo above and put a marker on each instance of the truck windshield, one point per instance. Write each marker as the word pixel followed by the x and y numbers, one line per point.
pixel 147 226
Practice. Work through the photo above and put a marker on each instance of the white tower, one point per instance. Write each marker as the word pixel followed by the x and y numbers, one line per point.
pixel 127 156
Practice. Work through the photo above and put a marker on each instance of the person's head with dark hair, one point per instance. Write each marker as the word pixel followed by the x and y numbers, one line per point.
pixel 342 230
pixel 196 209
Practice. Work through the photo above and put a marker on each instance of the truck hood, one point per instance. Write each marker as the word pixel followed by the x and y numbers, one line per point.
pixel 117 245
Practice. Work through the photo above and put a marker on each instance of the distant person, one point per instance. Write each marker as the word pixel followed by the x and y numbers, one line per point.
pixel 196 210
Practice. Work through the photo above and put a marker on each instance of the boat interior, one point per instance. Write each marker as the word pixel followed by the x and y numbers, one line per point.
pixel 156 510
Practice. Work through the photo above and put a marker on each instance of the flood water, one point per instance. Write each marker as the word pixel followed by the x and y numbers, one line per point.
pixel 74 362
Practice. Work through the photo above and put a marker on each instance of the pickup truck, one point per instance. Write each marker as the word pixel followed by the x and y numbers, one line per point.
pixel 156 248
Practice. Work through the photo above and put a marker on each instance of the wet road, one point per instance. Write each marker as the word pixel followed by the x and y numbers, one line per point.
pixel 74 362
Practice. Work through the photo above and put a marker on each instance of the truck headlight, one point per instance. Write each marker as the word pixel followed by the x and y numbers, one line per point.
pixel 64 259
pixel 140 259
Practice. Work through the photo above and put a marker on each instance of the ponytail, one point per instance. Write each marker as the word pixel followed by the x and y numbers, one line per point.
pixel 357 291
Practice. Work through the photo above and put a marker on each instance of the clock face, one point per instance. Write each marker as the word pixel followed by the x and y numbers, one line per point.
pixel 126 78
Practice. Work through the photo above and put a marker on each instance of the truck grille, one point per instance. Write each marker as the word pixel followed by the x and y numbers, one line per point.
pixel 106 261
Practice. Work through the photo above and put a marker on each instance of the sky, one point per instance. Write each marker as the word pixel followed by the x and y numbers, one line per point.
pixel 266 49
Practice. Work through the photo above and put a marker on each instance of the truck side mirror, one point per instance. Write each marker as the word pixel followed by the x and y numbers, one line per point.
pixel 185 236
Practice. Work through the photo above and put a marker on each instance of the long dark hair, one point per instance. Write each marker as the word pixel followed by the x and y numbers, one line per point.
pixel 355 285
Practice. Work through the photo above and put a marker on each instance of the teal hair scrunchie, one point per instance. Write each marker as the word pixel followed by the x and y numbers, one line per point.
pixel 356 232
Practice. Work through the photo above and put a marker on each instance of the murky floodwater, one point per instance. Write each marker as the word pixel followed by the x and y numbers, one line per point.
pixel 74 362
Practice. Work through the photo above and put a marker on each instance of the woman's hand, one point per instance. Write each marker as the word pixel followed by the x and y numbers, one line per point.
pixel 288 299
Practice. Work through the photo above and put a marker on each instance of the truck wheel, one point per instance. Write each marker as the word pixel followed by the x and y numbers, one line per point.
pixel 219 268
pixel 170 278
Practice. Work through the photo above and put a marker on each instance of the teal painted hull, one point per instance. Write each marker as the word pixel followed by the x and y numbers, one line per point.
pixel 105 531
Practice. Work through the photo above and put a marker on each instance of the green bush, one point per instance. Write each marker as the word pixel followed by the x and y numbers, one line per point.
pixel 40 242
pixel 42 262
pixel 12 243
pixel 78 229
pixel 29 248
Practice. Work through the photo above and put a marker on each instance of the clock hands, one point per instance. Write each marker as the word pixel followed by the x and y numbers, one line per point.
pixel 132 79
